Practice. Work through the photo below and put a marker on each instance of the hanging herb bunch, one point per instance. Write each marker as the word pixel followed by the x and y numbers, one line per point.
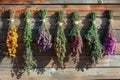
pixel 12 36
pixel 60 39
pixel 44 40
pixel 93 41
pixel 75 38
pixel 109 43
pixel 29 61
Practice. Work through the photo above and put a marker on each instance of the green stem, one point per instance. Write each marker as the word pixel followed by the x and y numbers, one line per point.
pixel 93 17
pixel 110 14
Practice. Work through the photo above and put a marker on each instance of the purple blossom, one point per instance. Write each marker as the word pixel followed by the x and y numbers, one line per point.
pixel 109 43
pixel 44 40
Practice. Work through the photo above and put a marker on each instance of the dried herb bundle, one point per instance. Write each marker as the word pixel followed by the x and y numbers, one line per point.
pixel 93 41
pixel 75 38
pixel 109 43
pixel 44 40
pixel 60 39
pixel 29 61
pixel 12 36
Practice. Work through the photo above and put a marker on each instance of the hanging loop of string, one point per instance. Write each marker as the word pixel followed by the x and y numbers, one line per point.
pixel 12 16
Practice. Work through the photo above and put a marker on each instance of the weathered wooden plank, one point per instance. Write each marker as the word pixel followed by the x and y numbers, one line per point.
pixel 51 61
pixel 53 8
pixel 91 1
pixel 31 2
pixel 67 74
pixel 51 13
pixel 104 73
pixel 54 1
pixel 107 67
pixel 92 73
pixel 6 74
pixel 111 1
pixel 81 1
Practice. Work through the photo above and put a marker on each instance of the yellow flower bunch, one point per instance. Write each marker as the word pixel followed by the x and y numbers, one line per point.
pixel 11 41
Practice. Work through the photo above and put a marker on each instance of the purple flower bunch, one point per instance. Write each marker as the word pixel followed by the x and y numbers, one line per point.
pixel 44 40
pixel 109 43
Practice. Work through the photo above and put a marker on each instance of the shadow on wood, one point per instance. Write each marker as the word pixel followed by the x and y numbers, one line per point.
pixel 3 53
pixel 85 49
pixel 18 62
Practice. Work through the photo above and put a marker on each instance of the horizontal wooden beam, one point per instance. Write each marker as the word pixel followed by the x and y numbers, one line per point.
pixel 53 8
pixel 108 67
pixel 57 2
pixel 69 73
pixel 52 62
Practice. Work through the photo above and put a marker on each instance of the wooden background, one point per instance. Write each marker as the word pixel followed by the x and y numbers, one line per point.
pixel 58 1
pixel 108 67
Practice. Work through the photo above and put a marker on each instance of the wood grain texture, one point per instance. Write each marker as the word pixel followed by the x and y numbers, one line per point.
pixel 67 74
pixel 55 1
pixel 52 62
pixel 53 8
pixel 108 67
